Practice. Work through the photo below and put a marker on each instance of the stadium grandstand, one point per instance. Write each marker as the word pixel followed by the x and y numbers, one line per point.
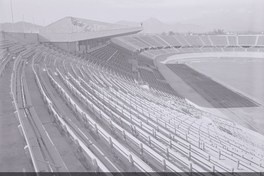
pixel 94 97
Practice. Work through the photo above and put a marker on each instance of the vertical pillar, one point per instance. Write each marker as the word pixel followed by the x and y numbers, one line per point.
pixel 95 165
pixel 110 142
pixel 135 130
pixel 190 167
pixel 149 141
pixel 111 127
pixel 170 144
pixel 78 145
pixel 96 129
pixel 131 160
pixel 20 130
pixel 17 115
pixel 121 121
pixel 124 135
pixel 213 168
pixel 167 153
pixel 64 128
pixel 164 165
pixel 27 151
pixel 141 149
pixel 154 133
pixel 157 128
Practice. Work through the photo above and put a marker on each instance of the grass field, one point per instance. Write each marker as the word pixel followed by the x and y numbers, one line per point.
pixel 246 75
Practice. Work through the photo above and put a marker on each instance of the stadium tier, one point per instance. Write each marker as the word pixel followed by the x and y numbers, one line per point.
pixel 156 52
pixel 145 59
pixel 206 49
pixel 219 40
pixel 217 49
pixel 247 40
pixel 158 75
pixel 155 83
pixel 182 40
pixel 170 40
pixel 135 42
pixel 111 109
pixel 170 50
pixel 196 50
pixel 185 50
pixel 6 43
pixel 260 41
pixel 232 40
pixel 160 40
pixel 16 49
pixel 215 93
pixel 228 49
pixel 253 49
pixel 239 49
pixel 149 41
pixel 206 41
pixel 192 41
pixel 148 55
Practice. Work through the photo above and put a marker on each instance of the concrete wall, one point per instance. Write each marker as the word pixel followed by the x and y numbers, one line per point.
pixel 2 36
pixel 81 47
pixel 71 42
pixel 198 56
pixel 71 37
pixel 23 38
pixel 67 46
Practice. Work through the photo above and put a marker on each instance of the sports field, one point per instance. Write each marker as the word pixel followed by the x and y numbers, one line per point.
pixel 243 74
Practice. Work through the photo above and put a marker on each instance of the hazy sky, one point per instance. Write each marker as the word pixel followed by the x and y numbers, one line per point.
pixel 47 11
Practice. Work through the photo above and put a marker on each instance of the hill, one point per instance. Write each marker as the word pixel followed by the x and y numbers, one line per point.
pixel 19 27
pixel 128 23
pixel 204 24
pixel 153 25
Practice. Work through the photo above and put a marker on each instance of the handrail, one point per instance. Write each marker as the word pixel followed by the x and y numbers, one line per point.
pixel 21 126
pixel 146 148
pixel 99 166
pixel 142 166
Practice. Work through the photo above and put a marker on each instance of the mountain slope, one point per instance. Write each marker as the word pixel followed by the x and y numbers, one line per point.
pixel 128 23
pixel 153 25
pixel 206 23
pixel 19 27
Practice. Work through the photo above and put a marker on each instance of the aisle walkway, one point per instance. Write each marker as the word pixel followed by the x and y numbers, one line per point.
pixel 12 154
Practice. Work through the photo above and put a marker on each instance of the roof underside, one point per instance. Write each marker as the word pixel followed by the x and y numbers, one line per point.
pixel 71 29
pixel 78 25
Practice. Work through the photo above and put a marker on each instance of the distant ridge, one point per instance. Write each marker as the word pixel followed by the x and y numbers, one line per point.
pixel 153 25
pixel 199 25
pixel 19 27
pixel 128 23
pixel 73 24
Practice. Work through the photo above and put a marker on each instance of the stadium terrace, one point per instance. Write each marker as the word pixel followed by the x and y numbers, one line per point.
pixel 89 96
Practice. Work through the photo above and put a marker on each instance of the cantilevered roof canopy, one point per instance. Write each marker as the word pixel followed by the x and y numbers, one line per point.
pixel 71 29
